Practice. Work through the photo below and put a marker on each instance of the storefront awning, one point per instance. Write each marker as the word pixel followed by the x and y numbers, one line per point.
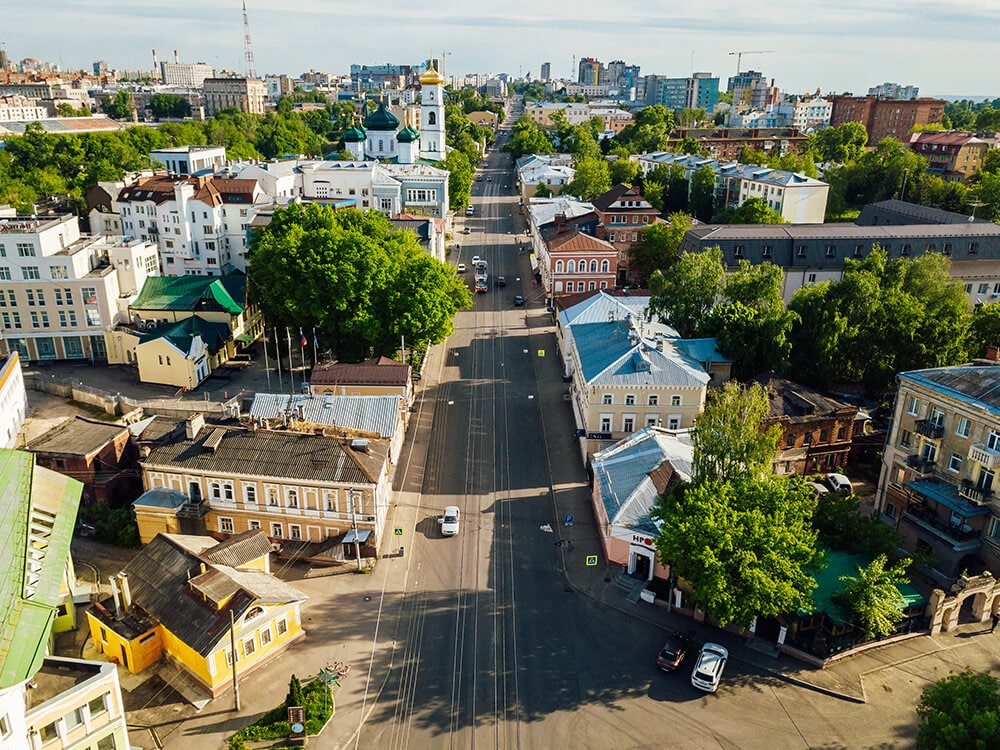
pixel 244 338
pixel 534 263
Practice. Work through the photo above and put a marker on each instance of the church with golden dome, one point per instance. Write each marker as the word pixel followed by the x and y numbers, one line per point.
pixel 379 136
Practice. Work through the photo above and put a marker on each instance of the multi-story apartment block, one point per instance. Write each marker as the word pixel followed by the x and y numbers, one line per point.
pixel 18 108
pixel 380 77
pixel 13 400
pixel 952 155
pixel 58 291
pixel 614 119
pixel 541 113
pixel 199 223
pixel 697 91
pixel 244 94
pixel 586 89
pixel 623 215
pixel 894 91
pixel 591 71
pixel 296 487
pixel 279 86
pixel 938 482
pixel 189 160
pixel 186 75
pixel 884 118
pixel 812 114
pixel 797 198
pixel 546 71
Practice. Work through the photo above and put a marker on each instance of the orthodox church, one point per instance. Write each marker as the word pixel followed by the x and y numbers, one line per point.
pixel 379 136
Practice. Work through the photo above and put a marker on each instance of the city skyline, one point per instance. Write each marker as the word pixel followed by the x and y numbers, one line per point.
pixel 843 46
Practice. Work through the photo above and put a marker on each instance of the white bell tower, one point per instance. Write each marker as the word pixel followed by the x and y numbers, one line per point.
pixel 432 146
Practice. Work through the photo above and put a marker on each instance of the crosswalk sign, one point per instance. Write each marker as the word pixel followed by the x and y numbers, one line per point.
pixel 398 531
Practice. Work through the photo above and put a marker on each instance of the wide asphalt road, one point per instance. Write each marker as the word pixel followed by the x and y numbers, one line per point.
pixel 494 650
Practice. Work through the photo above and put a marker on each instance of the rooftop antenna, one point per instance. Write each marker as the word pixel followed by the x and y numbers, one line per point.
pixel 247 47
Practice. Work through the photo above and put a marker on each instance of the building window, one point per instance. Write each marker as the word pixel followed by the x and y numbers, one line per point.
pixel 293 498
pixel 25 250
pixel 249 493
pixel 936 417
pixel 253 525
pixel 983 289
pixel 973 248
pixel 570 286
pixel 800 251
pixel 294 531
pixel 767 251
pixel 963 427
pixel 607 399
pixel 330 499
pixel 628 424
pixel 630 400
pixel 653 400
pixel 605 423
pixel 831 251
pixel 790 441
pixel 249 646
pixel 811 279
pixel 738 251
pixel 807 438
pixel 559 266
pixel 993 441
pixel 913 406
pixel 282 626
pixel 652 421
pixel 904 438
pixel 265 636
pixel 675 400
pixel 955 463
pixel 985 481
pixel 674 422
pixel 276 531
pixel 611 235
pixel 605 266
pixel 48 732
pixel 226 525
pixel 30 273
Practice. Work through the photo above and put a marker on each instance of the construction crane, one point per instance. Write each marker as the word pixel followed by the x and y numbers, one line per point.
pixel 739 56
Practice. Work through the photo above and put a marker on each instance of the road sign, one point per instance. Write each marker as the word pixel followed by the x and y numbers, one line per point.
pixel 568 521
pixel 591 561
pixel 541 352
pixel 397 531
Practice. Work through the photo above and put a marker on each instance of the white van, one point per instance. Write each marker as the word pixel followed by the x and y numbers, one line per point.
pixel 839 483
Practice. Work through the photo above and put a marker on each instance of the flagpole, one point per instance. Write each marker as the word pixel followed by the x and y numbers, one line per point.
pixel 302 351
pixel 291 367
pixel 267 366
pixel 277 358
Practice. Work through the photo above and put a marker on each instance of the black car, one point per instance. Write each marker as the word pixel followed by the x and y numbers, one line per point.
pixel 501 281
pixel 519 301
pixel 673 652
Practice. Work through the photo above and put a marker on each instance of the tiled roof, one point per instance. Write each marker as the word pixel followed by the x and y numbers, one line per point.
pixel 377 414
pixel 39 510
pixel 575 241
pixel 77 436
pixel 382 371
pixel 274 454
pixel 977 386
pixel 193 293
pixel 622 474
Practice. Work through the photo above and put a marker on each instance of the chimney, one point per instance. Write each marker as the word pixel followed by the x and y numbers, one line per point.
pixel 992 354
pixel 154 59
pixel 176 61
pixel 126 592
pixel 114 595
pixel 193 425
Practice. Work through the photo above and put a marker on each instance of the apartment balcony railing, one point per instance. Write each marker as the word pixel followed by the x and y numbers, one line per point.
pixel 970 492
pixel 192 509
pixel 928 518
pixel 929 429
pixel 920 464
pixel 984 456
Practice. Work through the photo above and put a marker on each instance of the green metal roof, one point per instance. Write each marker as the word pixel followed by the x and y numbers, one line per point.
pixel 381 119
pixel 194 293
pixel 181 333
pixel 354 134
pixel 37 517
pixel 407 135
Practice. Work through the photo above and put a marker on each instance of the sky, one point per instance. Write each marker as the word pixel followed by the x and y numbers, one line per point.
pixel 945 48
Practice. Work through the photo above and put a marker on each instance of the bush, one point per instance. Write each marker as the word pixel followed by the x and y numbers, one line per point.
pixel 841 526
pixel 314 698
pixel 115 526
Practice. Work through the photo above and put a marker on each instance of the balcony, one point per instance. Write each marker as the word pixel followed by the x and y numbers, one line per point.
pixel 970 492
pixel 920 464
pixel 962 539
pixel 193 510
pixel 928 429
pixel 983 456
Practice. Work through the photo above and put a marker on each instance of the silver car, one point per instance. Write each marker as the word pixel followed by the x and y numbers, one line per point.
pixel 707 671
pixel 449 521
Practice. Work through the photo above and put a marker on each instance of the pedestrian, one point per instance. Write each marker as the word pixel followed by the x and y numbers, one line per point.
pixel 996 620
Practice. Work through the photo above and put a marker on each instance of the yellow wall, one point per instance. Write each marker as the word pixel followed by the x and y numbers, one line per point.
pixel 139 655
pixel 118 343
pixel 152 522
pixel 179 372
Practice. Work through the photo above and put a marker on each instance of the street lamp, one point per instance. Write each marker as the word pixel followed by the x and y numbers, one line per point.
pixel 354 521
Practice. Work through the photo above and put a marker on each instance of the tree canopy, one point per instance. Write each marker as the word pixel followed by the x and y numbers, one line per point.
pixel 683 294
pixel 872 596
pixel 701 195
pixel 960 710
pixel 752 211
pixel 526 137
pixel 592 178
pixel 660 245
pixel 360 282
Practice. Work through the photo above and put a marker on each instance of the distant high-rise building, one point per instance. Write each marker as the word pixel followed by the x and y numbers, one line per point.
pixel 546 71
pixel 188 75
pixel 894 91
pixel 741 84
pixel 5 64
pixel 590 71
pixel 699 91
pixel 100 67
pixel 244 94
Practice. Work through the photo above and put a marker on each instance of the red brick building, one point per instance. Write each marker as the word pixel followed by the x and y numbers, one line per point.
pixel 623 214
pixel 579 263
pixel 726 144
pixel 883 118
pixel 953 155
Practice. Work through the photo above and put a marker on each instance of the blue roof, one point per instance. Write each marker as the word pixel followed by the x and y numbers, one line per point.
pixel 947 495
pixel 160 497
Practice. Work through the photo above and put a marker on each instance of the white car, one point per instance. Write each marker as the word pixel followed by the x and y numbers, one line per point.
pixel 839 483
pixel 475 259
pixel 707 671
pixel 449 521
pixel 461 268
pixel 817 489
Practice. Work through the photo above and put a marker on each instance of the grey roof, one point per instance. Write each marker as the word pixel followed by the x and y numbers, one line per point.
pixel 598 308
pixel 161 579
pixel 701 350
pixel 900 212
pixel 273 454
pixel 608 355
pixel 717 232
pixel 767 175
pixel 378 414
pixel 160 497
pixel 234 552
pixel 621 473
pixel 544 210
pixel 77 436
pixel 976 386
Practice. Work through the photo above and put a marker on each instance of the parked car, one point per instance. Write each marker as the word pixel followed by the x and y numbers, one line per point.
pixel 501 281
pixel 673 652
pixel 839 483
pixel 470 211
pixel 707 672
pixel 518 301
pixel 461 268
pixel 818 489
pixel 475 259
pixel 449 521
pixel 467 230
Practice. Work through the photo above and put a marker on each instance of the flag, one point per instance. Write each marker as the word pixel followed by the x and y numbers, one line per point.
pixel 315 339
pixel 302 339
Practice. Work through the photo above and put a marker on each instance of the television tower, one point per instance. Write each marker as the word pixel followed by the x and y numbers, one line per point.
pixel 247 47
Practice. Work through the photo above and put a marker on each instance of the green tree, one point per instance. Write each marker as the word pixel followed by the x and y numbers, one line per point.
pixel 650 131
pixel 169 105
pixel 660 245
pixel 841 525
pixel 702 193
pixel 960 710
pixel 543 191
pixel 461 175
pixel 751 211
pixel 527 138
pixel 730 440
pixel 592 178
pixel 624 171
pixel 682 295
pixel 350 274
pixel 745 547
pixel 872 597
pixel 119 107
pixel 984 330
pixel 295 695
pixel 843 143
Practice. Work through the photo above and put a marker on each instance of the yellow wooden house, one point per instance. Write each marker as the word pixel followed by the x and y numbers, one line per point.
pixel 180 599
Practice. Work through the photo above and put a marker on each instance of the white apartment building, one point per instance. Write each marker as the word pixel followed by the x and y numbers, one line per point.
pixel 13 401
pixel 199 223
pixel 21 109
pixel 188 75
pixel 58 291
pixel 189 160
pixel 812 114
pixel 244 94
pixel 541 113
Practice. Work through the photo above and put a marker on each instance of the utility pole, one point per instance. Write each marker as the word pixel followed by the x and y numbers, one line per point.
pixel 232 646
